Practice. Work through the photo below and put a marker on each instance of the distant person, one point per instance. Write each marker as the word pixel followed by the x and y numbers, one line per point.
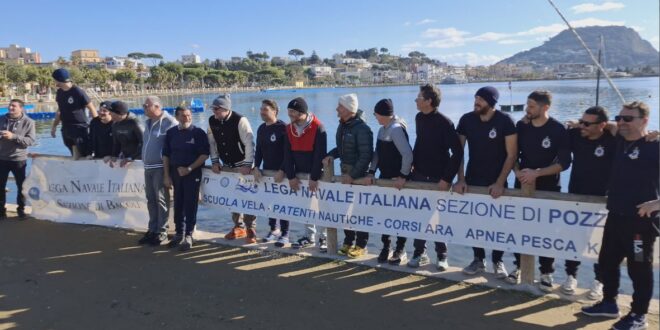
pixel 493 146
pixel 185 150
pixel 355 149
pixel 393 158
pixel 231 139
pixel 71 103
pixel 270 152
pixel 126 134
pixel 632 225
pixel 432 161
pixel 305 146
pixel 100 133
pixel 157 124
pixel 17 132
pixel 543 153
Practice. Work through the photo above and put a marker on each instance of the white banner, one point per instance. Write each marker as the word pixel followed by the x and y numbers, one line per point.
pixel 566 230
pixel 87 192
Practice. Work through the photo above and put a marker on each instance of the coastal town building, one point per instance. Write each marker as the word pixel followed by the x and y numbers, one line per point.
pixel 191 59
pixel 87 57
pixel 15 54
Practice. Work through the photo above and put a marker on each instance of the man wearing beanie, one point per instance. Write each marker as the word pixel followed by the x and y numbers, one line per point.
pixel 432 161
pixel 126 134
pixel 231 139
pixel 71 103
pixel 393 158
pixel 493 145
pixel 355 150
pixel 100 133
pixel 305 146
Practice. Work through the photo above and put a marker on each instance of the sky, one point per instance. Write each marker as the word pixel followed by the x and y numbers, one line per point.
pixel 474 32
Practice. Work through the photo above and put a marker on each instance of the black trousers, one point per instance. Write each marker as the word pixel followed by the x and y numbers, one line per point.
pixel 78 136
pixel 400 242
pixel 480 253
pixel 420 244
pixel 572 269
pixel 186 200
pixel 632 238
pixel 359 237
pixel 284 226
pixel 17 168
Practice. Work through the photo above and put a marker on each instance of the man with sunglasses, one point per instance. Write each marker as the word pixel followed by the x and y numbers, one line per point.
pixel 592 147
pixel 630 233
pixel 543 153
pixel 231 139
pixel 158 197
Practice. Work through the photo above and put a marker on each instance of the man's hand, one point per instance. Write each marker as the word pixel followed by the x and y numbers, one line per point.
pixel 183 171
pixel 216 168
pixel 327 160
pixel 652 136
pixel 313 185
pixel 369 180
pixel 496 190
pixel 7 135
pixel 257 174
pixel 399 182
pixel 647 209
pixel 528 176
pixel 125 162
pixel 294 184
pixel 167 182
pixel 444 185
pixel 245 170
pixel 460 187
pixel 346 179
pixel 53 132
pixel 572 124
pixel 279 176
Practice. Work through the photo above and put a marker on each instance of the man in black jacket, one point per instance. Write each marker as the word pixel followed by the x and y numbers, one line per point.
pixel 126 134
pixel 100 133
pixel 355 149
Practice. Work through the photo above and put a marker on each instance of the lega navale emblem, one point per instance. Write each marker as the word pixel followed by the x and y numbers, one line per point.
pixel 70 100
pixel 634 154
pixel 599 152
pixel 273 138
pixel 493 133
pixel 546 143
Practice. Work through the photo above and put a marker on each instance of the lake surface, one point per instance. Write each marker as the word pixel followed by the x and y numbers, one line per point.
pixel 570 99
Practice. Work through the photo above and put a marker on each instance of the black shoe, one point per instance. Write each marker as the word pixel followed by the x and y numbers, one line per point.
pixel 175 241
pixel 384 254
pixel 158 239
pixel 21 214
pixel 148 236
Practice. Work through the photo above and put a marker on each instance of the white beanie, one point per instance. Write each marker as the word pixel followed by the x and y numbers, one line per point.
pixel 350 102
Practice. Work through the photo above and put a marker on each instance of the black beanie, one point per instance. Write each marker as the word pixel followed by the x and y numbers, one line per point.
pixel 489 94
pixel 384 107
pixel 298 104
pixel 119 108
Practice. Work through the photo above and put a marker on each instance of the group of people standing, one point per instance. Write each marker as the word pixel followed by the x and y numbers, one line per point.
pixel 614 159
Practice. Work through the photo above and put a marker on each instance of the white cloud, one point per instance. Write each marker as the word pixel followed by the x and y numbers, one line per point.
pixel 511 41
pixel 489 36
pixel 407 24
pixel 426 21
pixel 195 46
pixel 592 7
pixel 655 41
pixel 411 46
pixel 469 58
pixel 637 28
pixel 447 33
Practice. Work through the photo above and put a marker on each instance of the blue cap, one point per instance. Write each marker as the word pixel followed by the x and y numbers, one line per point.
pixel 61 75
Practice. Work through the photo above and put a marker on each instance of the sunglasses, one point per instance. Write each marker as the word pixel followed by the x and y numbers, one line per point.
pixel 588 123
pixel 626 119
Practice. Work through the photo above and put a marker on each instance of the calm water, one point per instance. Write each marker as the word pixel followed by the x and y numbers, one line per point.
pixel 571 98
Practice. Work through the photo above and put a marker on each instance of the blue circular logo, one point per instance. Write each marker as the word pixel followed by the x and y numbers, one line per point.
pixel 34 193
pixel 224 182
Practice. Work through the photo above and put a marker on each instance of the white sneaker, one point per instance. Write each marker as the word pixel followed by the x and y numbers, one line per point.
pixel 514 277
pixel 545 283
pixel 569 285
pixel 499 270
pixel 596 291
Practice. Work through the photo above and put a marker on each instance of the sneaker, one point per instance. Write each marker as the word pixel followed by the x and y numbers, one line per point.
pixel 419 260
pixel 357 252
pixel 398 257
pixel 251 236
pixel 545 283
pixel 175 241
pixel 513 277
pixel 499 270
pixel 631 321
pixel 442 264
pixel 148 236
pixel 236 232
pixel 476 266
pixel 602 308
pixel 272 236
pixel 569 286
pixel 383 255
pixel 186 244
pixel 323 245
pixel 21 213
pixel 282 241
pixel 303 243
pixel 596 291
pixel 158 239
pixel 344 250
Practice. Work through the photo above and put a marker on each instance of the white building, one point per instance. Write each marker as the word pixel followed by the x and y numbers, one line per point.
pixel 320 71
pixel 17 54
pixel 191 59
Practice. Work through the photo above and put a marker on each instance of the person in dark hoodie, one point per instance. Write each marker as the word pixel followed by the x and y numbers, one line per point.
pixel 355 149
pixel 126 134
pixel 305 145
pixel 393 158
pixel 17 132
pixel 100 133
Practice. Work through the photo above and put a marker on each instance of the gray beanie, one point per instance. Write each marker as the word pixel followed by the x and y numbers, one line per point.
pixel 222 101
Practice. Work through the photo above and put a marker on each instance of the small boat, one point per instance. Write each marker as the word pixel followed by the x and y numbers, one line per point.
pixel 512 108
